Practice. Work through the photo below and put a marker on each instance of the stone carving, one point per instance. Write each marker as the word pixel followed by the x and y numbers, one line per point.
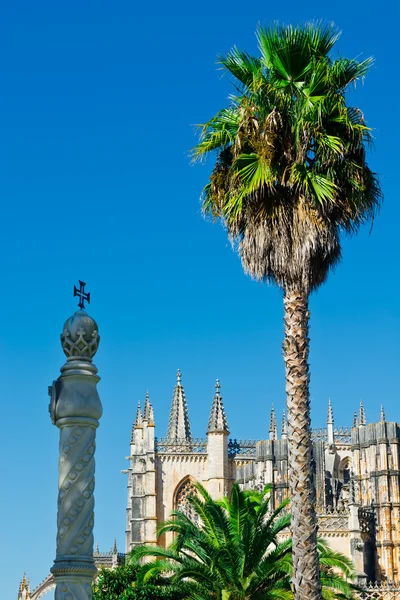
pixel 186 490
pixel 71 590
pixel 80 336
pixel 333 522
pixel 194 445
pixel 343 434
pixel 76 480
pixel 243 447
pixel 382 590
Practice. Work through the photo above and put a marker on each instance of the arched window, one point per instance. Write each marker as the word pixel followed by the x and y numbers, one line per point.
pixel 344 470
pixel 183 492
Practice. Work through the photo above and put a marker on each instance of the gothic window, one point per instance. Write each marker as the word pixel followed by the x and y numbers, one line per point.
pixel 184 491
pixel 344 470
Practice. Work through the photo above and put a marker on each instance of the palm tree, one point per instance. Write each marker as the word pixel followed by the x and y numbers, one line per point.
pixel 234 554
pixel 290 177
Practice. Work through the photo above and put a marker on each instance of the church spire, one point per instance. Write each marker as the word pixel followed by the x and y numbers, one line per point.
pixel 382 414
pixel 178 425
pixel 217 420
pixel 273 429
pixel 363 417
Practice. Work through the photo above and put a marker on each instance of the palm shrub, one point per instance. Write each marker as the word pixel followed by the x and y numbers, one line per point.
pixel 235 553
pixel 121 583
pixel 291 177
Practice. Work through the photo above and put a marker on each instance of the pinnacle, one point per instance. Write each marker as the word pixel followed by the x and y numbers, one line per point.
pixel 137 424
pixel 330 413
pixel 115 551
pixel 355 419
pixel 363 418
pixel 139 416
pixel 273 429
pixel 217 420
pixel 284 429
pixel 148 414
pixel 382 414
pixel 178 425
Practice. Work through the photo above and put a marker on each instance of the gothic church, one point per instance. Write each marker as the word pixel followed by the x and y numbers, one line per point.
pixel 356 475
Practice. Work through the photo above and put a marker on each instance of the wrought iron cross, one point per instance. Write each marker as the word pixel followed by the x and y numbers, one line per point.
pixel 83 296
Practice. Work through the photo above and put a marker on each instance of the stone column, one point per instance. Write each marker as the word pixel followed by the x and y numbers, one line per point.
pixel 75 409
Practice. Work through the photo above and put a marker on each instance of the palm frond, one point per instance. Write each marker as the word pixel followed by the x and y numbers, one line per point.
pixel 243 66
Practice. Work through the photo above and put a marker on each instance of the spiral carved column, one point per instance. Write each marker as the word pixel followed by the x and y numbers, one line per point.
pixel 75 409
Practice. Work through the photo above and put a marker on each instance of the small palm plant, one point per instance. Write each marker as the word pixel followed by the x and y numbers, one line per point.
pixel 235 552
pixel 290 177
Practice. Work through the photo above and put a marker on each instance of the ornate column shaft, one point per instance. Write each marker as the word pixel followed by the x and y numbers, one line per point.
pixel 75 409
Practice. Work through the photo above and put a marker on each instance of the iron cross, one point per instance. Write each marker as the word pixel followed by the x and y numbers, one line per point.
pixel 83 296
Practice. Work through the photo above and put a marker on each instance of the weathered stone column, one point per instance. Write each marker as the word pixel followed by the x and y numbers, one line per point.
pixel 75 409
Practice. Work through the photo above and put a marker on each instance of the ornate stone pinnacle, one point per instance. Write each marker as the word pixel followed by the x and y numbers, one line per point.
pixel 146 410
pixel 179 425
pixel 139 417
pixel 273 429
pixel 355 419
pixel 217 420
pixel 382 414
pixel 284 426
pixel 363 418
pixel 115 551
pixel 330 412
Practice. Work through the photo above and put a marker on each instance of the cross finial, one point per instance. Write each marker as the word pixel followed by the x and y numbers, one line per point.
pixel 83 296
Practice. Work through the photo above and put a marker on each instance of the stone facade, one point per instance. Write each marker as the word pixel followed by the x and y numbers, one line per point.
pixel 356 473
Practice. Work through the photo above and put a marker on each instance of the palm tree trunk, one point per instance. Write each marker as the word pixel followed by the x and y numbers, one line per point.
pixel 306 578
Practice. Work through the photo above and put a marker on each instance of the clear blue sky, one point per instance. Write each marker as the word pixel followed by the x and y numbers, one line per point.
pixel 97 106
